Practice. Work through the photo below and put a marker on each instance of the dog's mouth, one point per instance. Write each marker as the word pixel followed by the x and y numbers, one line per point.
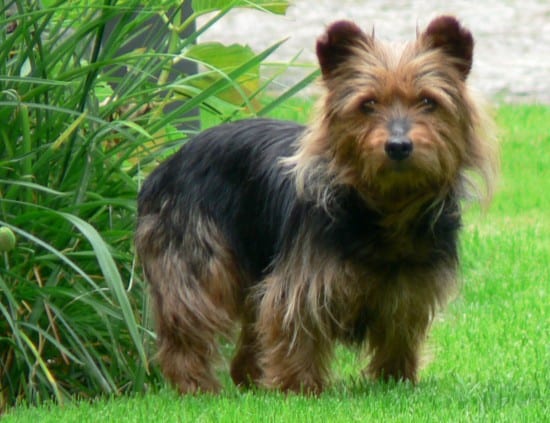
pixel 399 167
pixel 403 176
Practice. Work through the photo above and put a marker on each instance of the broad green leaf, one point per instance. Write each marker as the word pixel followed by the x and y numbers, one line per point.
pixel 273 6
pixel 221 60
pixel 215 88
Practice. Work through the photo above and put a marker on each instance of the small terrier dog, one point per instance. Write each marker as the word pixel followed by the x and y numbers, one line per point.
pixel 341 231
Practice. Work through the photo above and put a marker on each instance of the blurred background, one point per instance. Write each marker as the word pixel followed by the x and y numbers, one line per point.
pixel 512 56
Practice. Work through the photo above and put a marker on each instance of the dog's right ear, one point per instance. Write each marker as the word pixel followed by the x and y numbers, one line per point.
pixel 337 44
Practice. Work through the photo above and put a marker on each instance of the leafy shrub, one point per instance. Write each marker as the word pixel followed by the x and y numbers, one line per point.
pixel 83 115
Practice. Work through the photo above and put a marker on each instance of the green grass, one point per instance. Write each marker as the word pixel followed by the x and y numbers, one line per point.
pixel 491 356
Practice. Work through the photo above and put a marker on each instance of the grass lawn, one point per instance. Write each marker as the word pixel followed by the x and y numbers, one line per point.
pixel 491 349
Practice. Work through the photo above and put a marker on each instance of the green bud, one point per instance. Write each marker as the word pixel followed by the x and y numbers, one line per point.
pixel 7 239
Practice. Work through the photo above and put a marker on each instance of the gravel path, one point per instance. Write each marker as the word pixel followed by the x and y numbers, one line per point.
pixel 512 56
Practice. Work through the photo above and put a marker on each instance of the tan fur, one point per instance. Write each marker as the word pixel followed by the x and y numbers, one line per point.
pixel 346 147
pixel 196 298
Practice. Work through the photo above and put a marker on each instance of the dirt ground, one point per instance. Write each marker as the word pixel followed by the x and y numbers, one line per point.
pixel 512 55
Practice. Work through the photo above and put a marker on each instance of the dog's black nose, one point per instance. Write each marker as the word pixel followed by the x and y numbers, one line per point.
pixel 398 148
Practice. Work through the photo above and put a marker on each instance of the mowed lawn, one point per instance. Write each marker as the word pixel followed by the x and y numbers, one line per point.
pixel 490 351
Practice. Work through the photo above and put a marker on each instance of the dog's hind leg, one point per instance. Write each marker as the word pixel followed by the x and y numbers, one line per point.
pixel 195 288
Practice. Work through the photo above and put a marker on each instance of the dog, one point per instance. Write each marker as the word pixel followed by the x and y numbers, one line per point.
pixel 290 239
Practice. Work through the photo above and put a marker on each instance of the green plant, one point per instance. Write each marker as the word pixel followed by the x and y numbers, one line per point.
pixel 75 140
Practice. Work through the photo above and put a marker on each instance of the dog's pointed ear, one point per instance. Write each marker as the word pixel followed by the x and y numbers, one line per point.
pixel 337 44
pixel 446 33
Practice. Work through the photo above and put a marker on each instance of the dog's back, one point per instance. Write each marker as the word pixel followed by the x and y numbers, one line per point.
pixel 229 175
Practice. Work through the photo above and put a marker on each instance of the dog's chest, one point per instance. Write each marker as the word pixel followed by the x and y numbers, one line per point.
pixel 369 245
pixel 363 236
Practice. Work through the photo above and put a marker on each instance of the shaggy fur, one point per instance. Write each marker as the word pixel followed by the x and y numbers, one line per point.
pixel 341 231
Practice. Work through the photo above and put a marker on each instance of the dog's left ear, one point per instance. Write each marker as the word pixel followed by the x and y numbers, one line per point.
pixel 446 33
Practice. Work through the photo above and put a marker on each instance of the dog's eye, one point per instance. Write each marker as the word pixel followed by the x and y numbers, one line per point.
pixel 428 104
pixel 368 105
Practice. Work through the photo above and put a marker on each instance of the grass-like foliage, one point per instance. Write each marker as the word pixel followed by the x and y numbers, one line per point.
pixel 89 100
pixel 490 349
